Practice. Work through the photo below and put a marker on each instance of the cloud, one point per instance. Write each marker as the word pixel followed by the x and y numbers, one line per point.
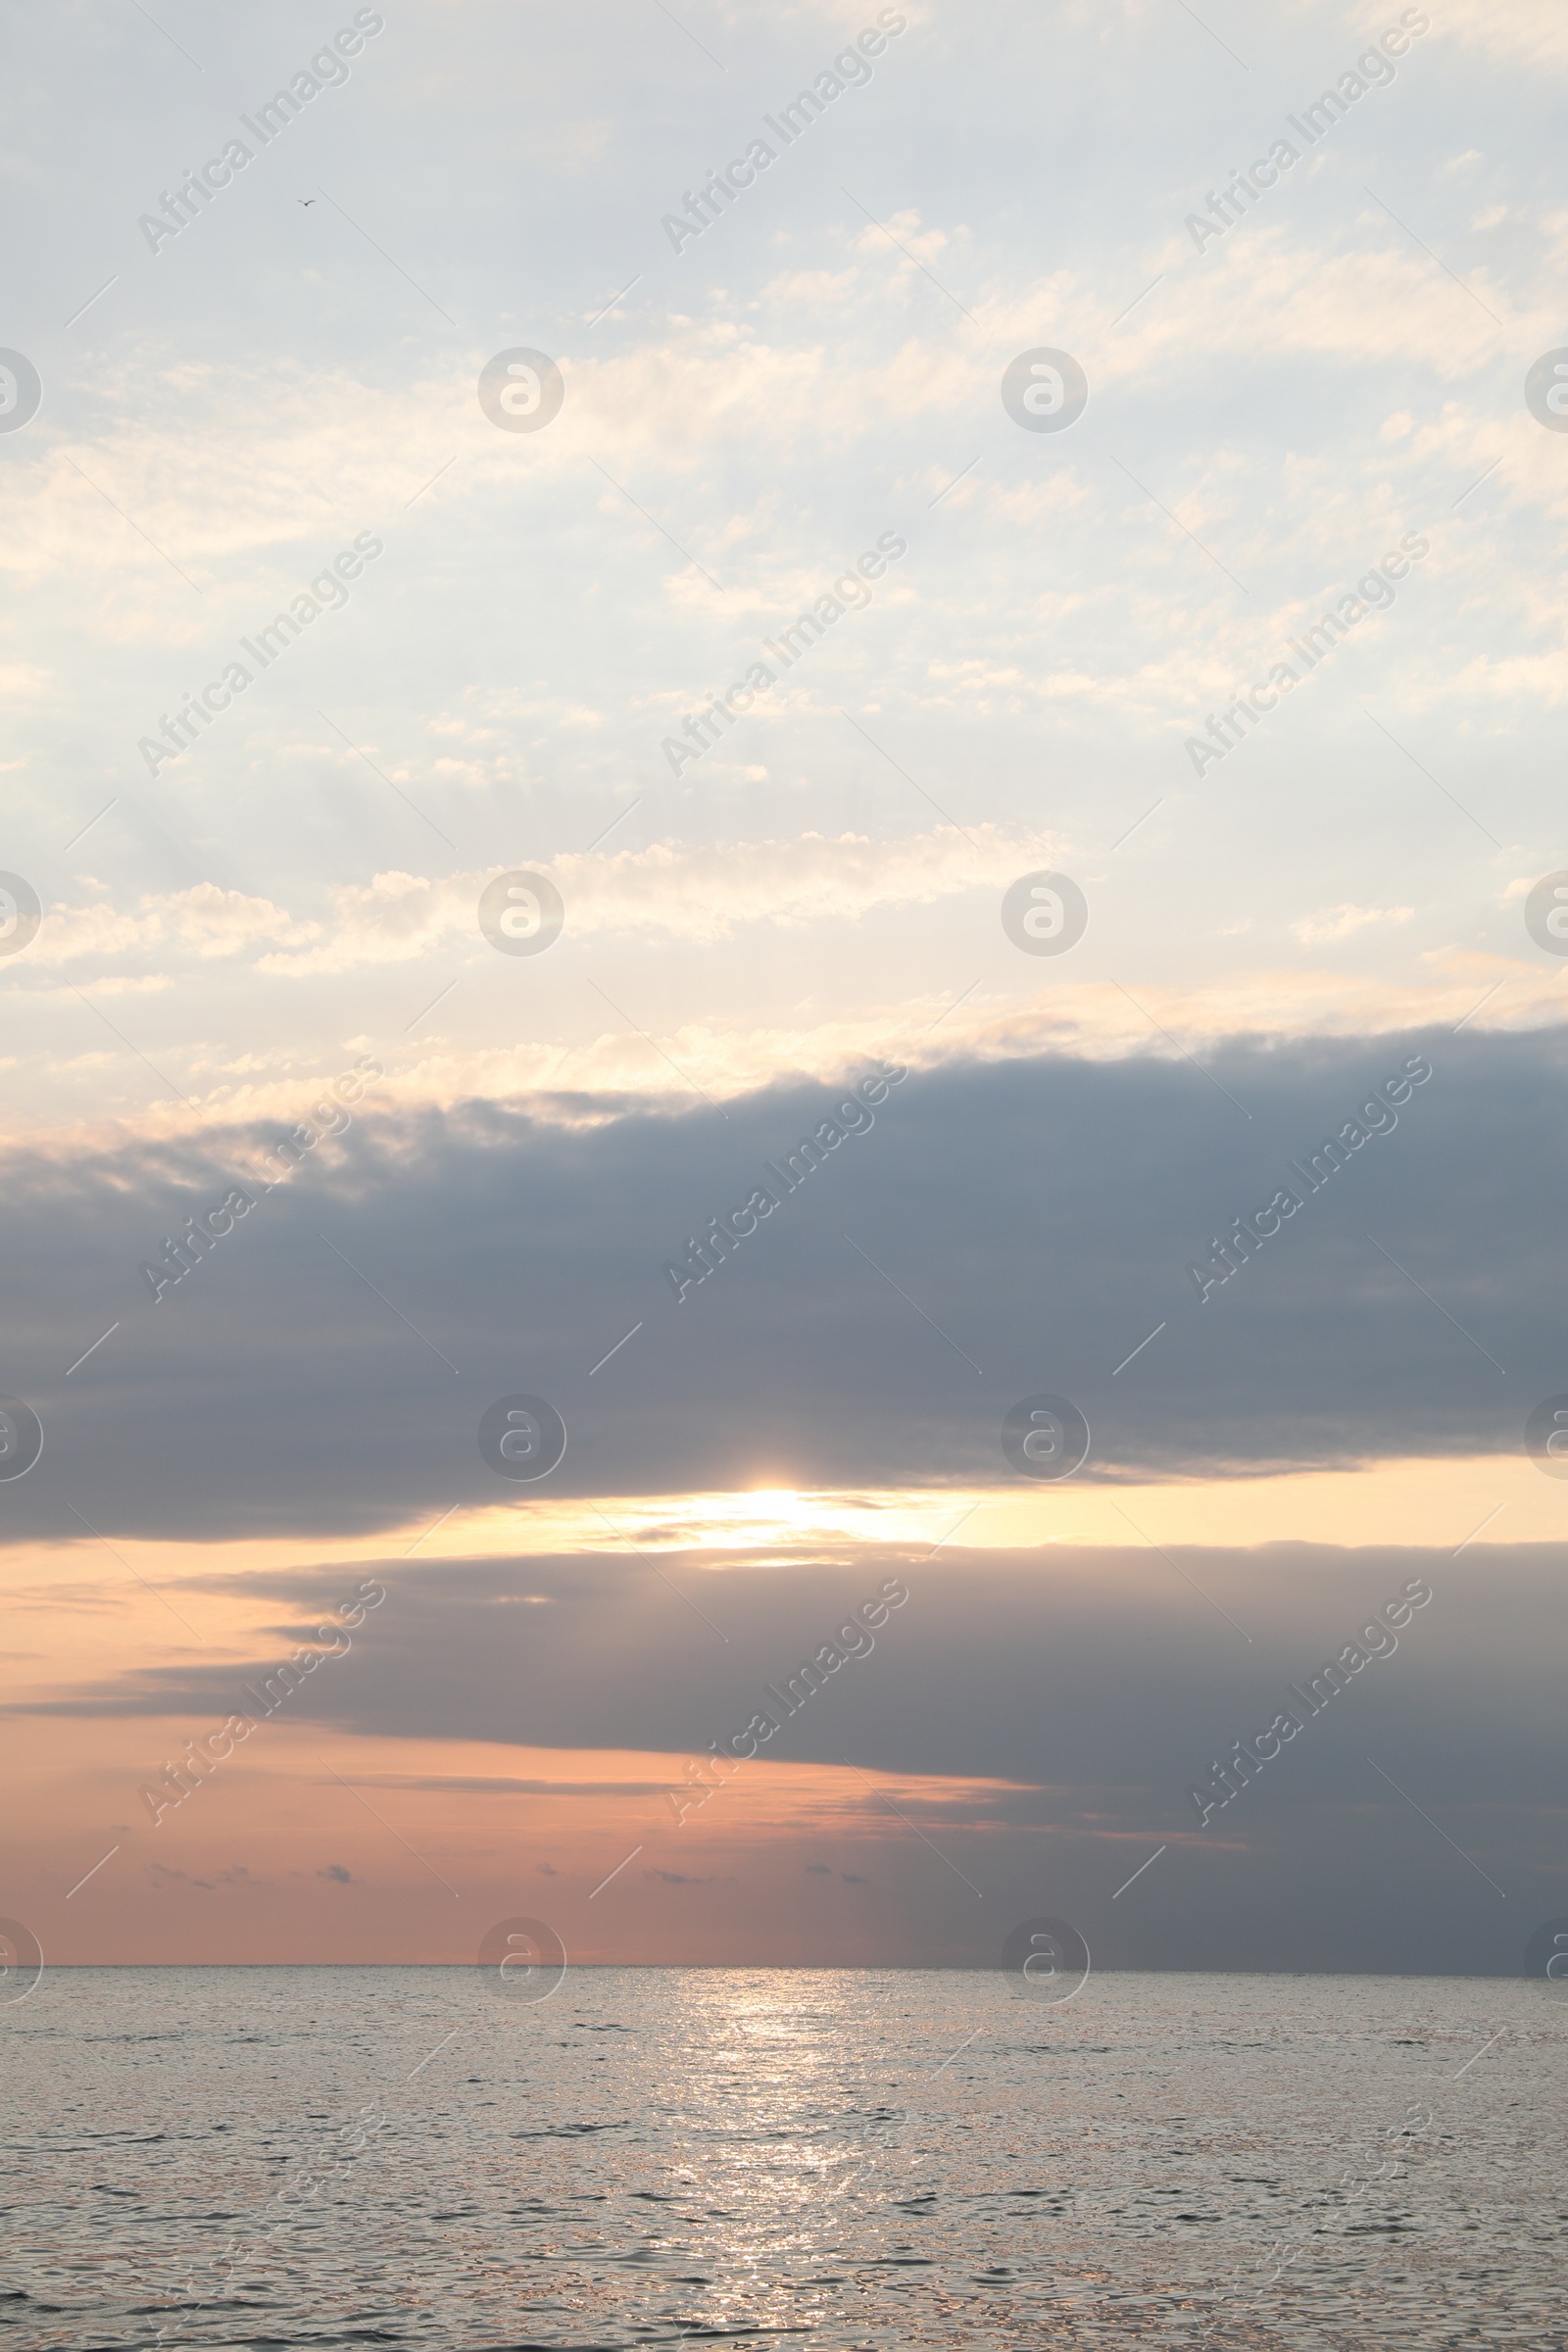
pixel 1003 1227
pixel 1534 37
pixel 1047 1701
pixel 1147 1658
pixel 338 1875
pixel 1338 922
pixel 674 890
pixel 482 1784
pixel 203 922
pixel 617 1067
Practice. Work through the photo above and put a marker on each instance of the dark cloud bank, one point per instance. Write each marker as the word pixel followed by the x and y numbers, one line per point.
pixel 1098 1685
pixel 1042 1213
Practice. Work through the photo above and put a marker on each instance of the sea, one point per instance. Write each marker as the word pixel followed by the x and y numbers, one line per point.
pixel 326 2157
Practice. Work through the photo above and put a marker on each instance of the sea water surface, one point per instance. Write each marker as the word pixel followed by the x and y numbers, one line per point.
pixel 336 2157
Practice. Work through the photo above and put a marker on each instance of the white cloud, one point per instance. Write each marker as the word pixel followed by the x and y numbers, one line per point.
pixel 1338 922
pixel 674 890
pixel 203 921
pixel 1531 34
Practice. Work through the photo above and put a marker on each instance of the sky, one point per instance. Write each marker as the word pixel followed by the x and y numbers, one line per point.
pixel 637 1182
